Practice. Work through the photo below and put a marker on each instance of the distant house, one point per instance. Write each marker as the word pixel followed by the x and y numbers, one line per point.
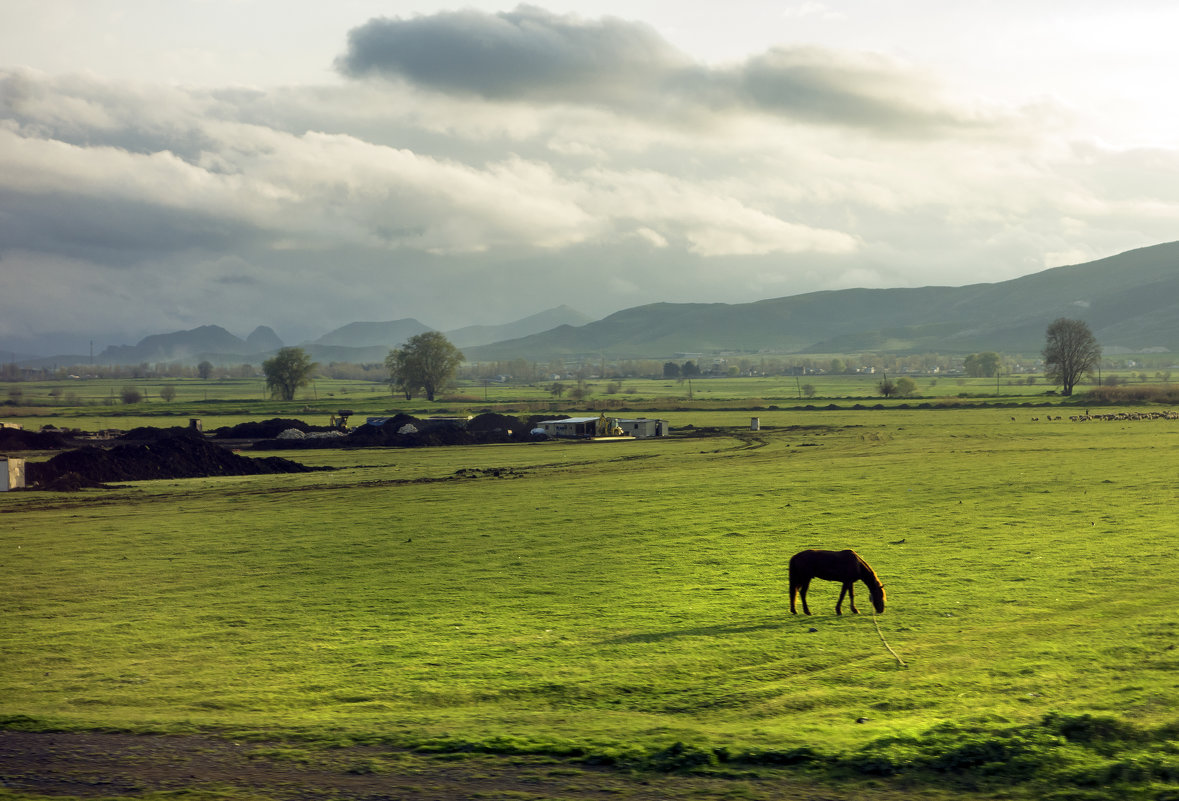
pixel 603 426
pixel 643 427
pixel 576 427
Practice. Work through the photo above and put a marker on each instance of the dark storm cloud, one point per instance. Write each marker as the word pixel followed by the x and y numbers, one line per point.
pixel 113 231
pixel 818 86
pixel 533 55
pixel 526 53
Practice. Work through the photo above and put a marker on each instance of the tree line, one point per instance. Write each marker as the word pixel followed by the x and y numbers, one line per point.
pixel 425 364
pixel 428 362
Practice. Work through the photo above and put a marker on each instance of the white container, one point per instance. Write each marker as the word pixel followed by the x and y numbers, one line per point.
pixel 12 473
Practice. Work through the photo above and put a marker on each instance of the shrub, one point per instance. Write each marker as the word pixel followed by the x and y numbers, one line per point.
pixel 1136 393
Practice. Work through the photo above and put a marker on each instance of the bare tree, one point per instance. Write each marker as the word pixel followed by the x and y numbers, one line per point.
pixel 1070 352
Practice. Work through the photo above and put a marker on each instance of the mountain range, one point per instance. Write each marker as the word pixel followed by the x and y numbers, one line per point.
pixel 1130 302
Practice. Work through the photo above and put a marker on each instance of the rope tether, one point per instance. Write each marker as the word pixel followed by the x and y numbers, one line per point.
pixel 900 662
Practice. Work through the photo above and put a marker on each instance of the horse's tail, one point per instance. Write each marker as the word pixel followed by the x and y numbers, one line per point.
pixel 794 569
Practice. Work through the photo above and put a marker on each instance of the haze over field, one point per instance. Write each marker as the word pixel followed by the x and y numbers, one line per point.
pixel 303 166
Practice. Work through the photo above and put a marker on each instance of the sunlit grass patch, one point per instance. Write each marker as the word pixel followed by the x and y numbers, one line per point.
pixel 615 600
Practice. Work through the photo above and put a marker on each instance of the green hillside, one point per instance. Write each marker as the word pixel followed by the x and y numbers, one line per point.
pixel 1131 301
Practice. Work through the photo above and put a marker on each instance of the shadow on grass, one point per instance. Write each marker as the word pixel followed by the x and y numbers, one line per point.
pixel 699 631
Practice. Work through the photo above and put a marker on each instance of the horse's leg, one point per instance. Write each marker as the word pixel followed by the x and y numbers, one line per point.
pixel 802 588
pixel 793 592
pixel 851 597
pixel 839 603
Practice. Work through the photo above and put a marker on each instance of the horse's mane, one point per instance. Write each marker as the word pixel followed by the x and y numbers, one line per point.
pixel 867 574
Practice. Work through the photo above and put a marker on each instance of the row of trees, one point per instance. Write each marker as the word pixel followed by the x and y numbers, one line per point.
pixel 428 362
pixel 425 363
pixel 1070 352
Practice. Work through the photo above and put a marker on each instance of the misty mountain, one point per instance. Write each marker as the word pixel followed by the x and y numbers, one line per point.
pixel 1130 301
pixel 262 340
pixel 176 346
pixel 474 335
pixel 365 335
pixel 366 343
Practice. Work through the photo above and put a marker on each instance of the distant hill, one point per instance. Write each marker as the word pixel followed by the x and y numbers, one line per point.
pixel 1130 301
pixel 364 335
pixel 474 335
pixel 262 340
pixel 176 346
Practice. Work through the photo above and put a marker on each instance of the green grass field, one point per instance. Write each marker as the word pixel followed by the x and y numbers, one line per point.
pixel 94 404
pixel 611 600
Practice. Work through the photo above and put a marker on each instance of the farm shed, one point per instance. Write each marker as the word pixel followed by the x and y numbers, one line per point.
pixel 583 427
pixel 12 474
pixel 643 427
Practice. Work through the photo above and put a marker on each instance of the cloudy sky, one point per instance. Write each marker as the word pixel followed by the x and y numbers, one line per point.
pixel 303 165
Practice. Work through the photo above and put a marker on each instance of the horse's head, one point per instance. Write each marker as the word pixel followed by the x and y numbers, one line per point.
pixel 877 595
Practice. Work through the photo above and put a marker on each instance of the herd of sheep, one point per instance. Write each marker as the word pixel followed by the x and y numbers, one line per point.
pixel 1167 415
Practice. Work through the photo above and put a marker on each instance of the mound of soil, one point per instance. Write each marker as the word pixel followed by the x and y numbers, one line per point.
pixel 173 457
pixel 406 431
pixel 384 434
pixel 265 429
pixel 72 482
pixel 485 428
pixel 17 439
pixel 150 434
pixel 490 422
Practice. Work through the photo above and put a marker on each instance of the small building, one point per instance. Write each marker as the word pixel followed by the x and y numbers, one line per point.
pixel 570 427
pixel 603 426
pixel 580 427
pixel 12 473
pixel 644 427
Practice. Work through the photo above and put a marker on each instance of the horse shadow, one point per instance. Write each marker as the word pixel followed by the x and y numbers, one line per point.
pixel 698 631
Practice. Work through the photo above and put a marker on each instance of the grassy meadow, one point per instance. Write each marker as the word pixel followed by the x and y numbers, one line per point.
pixel 97 403
pixel 626 602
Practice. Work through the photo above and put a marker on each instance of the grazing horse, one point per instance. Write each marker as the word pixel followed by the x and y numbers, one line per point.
pixel 847 567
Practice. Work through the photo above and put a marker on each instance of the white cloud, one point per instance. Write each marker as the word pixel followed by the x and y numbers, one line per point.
pixel 791 168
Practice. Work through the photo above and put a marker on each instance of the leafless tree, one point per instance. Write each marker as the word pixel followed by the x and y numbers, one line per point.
pixel 1070 352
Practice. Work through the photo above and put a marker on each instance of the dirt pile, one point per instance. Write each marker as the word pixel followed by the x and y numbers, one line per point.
pixel 490 422
pixel 151 434
pixel 404 431
pixel 71 482
pixel 171 457
pixel 265 429
pixel 17 439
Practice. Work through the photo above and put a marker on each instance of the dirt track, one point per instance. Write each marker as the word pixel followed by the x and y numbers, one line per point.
pixel 84 764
